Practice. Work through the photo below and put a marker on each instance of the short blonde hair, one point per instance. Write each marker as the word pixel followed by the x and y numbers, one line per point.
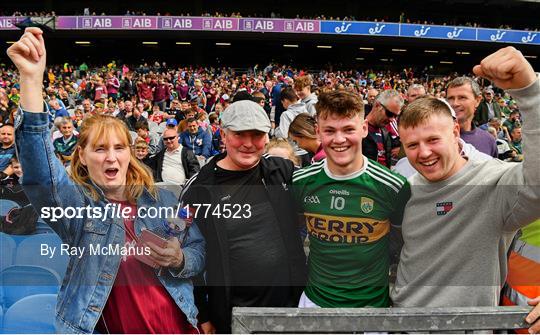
pixel 283 144
pixel 141 144
pixel 420 110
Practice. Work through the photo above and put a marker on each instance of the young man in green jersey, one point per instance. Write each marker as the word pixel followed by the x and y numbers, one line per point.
pixel 349 204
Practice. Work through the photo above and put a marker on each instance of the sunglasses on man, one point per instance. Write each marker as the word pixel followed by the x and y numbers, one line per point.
pixel 171 138
pixel 389 113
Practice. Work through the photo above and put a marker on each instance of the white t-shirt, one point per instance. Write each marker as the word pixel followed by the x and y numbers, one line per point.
pixel 173 170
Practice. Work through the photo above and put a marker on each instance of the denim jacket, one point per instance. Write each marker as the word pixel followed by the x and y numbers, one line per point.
pixel 89 279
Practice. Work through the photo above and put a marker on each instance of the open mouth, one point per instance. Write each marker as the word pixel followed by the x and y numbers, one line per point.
pixel 111 173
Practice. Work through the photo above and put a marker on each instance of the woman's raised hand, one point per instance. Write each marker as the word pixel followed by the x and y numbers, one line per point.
pixel 28 53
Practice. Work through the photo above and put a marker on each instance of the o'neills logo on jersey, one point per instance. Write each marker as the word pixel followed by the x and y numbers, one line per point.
pixel 339 192
pixel 340 229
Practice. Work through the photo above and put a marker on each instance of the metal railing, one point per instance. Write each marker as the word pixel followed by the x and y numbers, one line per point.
pixel 249 320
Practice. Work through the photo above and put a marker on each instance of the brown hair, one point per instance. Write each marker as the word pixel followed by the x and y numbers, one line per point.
pixel 339 102
pixel 303 125
pixel 420 110
pixel 102 127
pixel 288 93
pixel 302 81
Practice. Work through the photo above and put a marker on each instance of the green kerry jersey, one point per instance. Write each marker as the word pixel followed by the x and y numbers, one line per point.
pixel 348 220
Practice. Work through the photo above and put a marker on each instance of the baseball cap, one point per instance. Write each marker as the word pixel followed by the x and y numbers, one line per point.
pixel 171 122
pixel 225 97
pixel 245 115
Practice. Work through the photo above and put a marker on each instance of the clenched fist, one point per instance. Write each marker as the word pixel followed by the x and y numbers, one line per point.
pixel 507 68
pixel 28 54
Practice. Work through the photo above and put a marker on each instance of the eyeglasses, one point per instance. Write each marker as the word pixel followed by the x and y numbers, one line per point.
pixel 389 113
pixel 169 138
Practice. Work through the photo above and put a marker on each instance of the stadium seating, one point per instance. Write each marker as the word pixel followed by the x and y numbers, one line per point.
pixel 133 136
pixel 161 128
pixel 6 206
pixel 43 228
pixel 29 253
pixel 31 315
pixel 19 281
pixel 153 127
pixel 7 250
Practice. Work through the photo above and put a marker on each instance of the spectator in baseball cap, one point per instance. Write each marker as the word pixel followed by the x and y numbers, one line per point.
pixel 243 175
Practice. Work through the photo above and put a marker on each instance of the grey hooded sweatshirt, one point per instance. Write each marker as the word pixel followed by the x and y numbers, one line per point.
pixel 457 231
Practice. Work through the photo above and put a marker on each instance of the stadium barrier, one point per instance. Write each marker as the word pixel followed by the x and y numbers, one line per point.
pixel 249 320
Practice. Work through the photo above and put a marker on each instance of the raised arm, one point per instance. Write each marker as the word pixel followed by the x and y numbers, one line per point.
pixel 28 54
pixel 45 180
pixel 509 70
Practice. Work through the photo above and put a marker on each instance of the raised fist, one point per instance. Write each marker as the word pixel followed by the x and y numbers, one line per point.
pixel 28 53
pixel 507 68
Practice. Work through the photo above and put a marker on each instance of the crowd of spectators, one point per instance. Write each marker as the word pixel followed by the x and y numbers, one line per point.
pixel 153 97
pixel 402 18
pixel 174 115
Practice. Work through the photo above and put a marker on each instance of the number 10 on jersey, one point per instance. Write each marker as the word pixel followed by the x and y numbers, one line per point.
pixel 337 203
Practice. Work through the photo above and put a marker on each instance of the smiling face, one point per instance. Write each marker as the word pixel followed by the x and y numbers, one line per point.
pixel 341 139
pixel 244 149
pixel 382 114
pixel 432 147
pixel 106 158
pixel 463 101
pixel 67 129
pixel 141 152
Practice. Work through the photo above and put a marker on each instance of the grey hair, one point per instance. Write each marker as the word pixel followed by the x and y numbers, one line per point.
pixel 386 95
pixel 60 121
pixel 416 87
pixel 460 81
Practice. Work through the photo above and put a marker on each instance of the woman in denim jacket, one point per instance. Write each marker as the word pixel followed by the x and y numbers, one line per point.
pixel 104 290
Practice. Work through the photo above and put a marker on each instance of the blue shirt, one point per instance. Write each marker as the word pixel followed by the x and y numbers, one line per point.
pixel 5 156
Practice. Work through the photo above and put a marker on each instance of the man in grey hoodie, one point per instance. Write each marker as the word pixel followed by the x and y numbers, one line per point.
pixel 462 213
pixel 293 107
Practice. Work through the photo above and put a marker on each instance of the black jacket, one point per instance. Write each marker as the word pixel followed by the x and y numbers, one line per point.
pixel 370 150
pixel 481 113
pixel 189 163
pixel 128 89
pixel 213 300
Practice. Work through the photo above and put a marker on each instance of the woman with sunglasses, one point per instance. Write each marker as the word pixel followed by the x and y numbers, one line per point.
pixel 106 292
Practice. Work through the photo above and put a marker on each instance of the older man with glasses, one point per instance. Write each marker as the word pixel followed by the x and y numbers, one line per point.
pixel 382 142
pixel 174 164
